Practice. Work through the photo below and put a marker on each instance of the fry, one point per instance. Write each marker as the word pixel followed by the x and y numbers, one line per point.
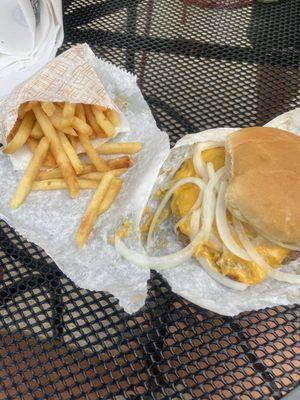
pixel 32 143
pixel 56 184
pixel 99 163
pixel 120 162
pixel 49 174
pixel 69 131
pixel 57 150
pixel 56 173
pixel 21 135
pixel 68 113
pixel 113 163
pixel 119 148
pixel 21 110
pixel 25 107
pixel 49 159
pixel 74 142
pixel 36 131
pixel 88 173
pixel 79 112
pixel 88 168
pixel 30 173
pixel 92 121
pixel 48 108
pixel 57 121
pixel 14 130
pixel 114 117
pixel 98 175
pixel 81 126
pixel 111 194
pixel 92 210
pixel 70 152
pixel 102 121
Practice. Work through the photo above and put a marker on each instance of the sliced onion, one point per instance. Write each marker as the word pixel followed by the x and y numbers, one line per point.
pixel 287 246
pixel 195 222
pixel 199 164
pixel 259 260
pixel 215 242
pixel 209 203
pixel 196 205
pixel 196 181
pixel 210 170
pixel 224 280
pixel 175 259
pixel 159 262
pixel 223 228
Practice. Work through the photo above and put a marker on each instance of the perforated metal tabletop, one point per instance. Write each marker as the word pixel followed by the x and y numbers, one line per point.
pixel 200 64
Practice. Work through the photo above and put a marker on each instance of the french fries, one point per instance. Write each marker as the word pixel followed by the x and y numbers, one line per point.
pixel 52 132
pixel 49 159
pixel 99 175
pixel 119 148
pixel 81 126
pixel 36 131
pixel 111 194
pixel 92 210
pixel 57 150
pixel 14 130
pixel 113 117
pixel 48 108
pixel 120 162
pixel 21 135
pixel 71 153
pixel 99 163
pixel 74 142
pixel 92 121
pixel 58 123
pixel 30 174
pixel 94 175
pixel 25 107
pixel 55 184
pixel 80 113
pixel 103 122
pixel 68 113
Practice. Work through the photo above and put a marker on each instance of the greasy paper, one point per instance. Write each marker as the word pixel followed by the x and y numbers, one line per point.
pixel 50 219
pixel 190 280
pixel 69 77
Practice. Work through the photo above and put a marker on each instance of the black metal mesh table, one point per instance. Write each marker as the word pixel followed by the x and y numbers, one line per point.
pixel 200 64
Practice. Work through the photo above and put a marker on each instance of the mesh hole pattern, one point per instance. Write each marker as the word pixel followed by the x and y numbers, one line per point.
pixel 200 64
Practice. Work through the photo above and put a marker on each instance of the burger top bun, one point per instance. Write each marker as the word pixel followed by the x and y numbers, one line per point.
pixel 264 182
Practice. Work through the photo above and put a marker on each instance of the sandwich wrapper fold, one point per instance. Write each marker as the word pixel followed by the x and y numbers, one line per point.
pixel 190 280
pixel 50 219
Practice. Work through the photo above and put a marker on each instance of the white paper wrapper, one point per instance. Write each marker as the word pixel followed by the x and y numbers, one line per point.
pixel 69 77
pixel 50 219
pixel 190 280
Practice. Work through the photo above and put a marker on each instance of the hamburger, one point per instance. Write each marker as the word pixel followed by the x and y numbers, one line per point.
pixel 236 205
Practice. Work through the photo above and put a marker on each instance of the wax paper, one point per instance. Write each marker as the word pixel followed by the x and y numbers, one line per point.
pixel 50 219
pixel 69 77
pixel 190 280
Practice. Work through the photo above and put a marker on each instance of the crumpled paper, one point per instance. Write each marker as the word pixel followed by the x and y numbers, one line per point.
pixel 50 219
pixel 69 77
pixel 190 280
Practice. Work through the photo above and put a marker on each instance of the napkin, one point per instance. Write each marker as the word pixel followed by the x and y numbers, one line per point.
pixel 30 33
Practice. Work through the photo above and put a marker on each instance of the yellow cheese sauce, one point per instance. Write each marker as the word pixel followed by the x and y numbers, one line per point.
pixel 225 262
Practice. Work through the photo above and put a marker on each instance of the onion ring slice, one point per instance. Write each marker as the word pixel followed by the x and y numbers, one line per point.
pixel 223 228
pixel 259 260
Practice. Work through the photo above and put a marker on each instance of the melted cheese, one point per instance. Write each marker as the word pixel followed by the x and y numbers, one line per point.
pixel 225 262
